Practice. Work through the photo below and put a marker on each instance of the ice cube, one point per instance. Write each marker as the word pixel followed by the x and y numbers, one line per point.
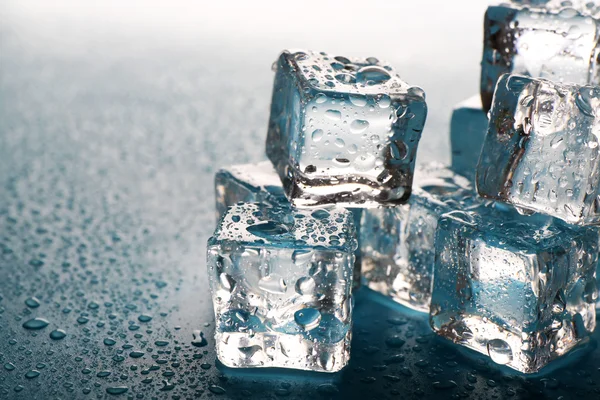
pixel 555 39
pixel 343 131
pixel 397 243
pixel 467 130
pixel 248 183
pixel 259 183
pixel 519 289
pixel 281 283
pixel 541 151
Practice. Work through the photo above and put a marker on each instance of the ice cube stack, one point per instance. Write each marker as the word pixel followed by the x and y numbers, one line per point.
pixel 500 249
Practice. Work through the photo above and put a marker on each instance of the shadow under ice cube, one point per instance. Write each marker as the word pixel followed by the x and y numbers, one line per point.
pixel 281 282
pixel 555 39
pixel 519 289
pixel 343 131
pixel 541 152
pixel 397 244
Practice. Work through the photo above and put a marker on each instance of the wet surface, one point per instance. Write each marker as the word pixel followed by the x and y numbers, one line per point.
pixel 107 154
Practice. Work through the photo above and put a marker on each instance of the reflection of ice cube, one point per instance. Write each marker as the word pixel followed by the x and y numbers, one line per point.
pixel 467 131
pixel 551 40
pixel 519 289
pixel 281 282
pixel 397 244
pixel 343 131
pixel 541 151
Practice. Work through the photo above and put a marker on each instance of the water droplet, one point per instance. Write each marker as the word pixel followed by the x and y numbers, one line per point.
pixel 384 101
pixel 499 351
pixel 333 114
pixel 317 135
pixel 145 318
pixel 272 284
pixel 339 142
pixel 347 79
pixel 308 318
pixel 372 75
pixel 584 102
pixel 160 343
pixel 109 342
pixel 32 374
pixel 136 354
pixel 198 339
pixel 358 101
pixel 116 390
pixel 227 282
pixel 305 285
pixel 249 351
pixel 320 214
pixel 320 98
pixel 358 126
pixel 267 229
pixel 216 389
pixel 32 302
pixel 58 334
pixel 9 366
pixel 35 324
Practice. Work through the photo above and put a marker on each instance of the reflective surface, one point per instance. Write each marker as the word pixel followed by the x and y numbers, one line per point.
pixel 112 125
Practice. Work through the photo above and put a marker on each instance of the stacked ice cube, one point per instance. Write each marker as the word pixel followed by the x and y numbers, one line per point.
pixel 501 249
pixel 284 258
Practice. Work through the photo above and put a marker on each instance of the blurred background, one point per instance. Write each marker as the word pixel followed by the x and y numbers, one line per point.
pixel 114 116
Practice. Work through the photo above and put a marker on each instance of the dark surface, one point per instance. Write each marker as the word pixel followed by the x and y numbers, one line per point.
pixel 112 124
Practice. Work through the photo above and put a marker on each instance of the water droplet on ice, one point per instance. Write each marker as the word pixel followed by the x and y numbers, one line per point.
pixel 499 351
pixel 358 126
pixel 374 74
pixel 333 114
pixel 272 284
pixel 308 318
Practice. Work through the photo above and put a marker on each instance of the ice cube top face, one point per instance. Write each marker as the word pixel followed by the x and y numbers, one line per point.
pixel 519 289
pixel 541 151
pixel 467 132
pixel 281 283
pixel 542 40
pixel 397 244
pixel 343 131
pixel 247 183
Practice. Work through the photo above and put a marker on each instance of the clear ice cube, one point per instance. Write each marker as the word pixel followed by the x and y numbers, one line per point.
pixel 519 289
pixel 248 183
pixel 259 183
pixel 467 131
pixel 555 39
pixel 397 243
pixel 281 281
pixel 541 151
pixel 343 131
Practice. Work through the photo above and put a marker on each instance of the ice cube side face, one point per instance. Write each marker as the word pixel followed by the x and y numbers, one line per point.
pixel 281 284
pixel 343 131
pixel 541 152
pixel 397 244
pixel 248 183
pixel 467 131
pixel 540 40
pixel 521 292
